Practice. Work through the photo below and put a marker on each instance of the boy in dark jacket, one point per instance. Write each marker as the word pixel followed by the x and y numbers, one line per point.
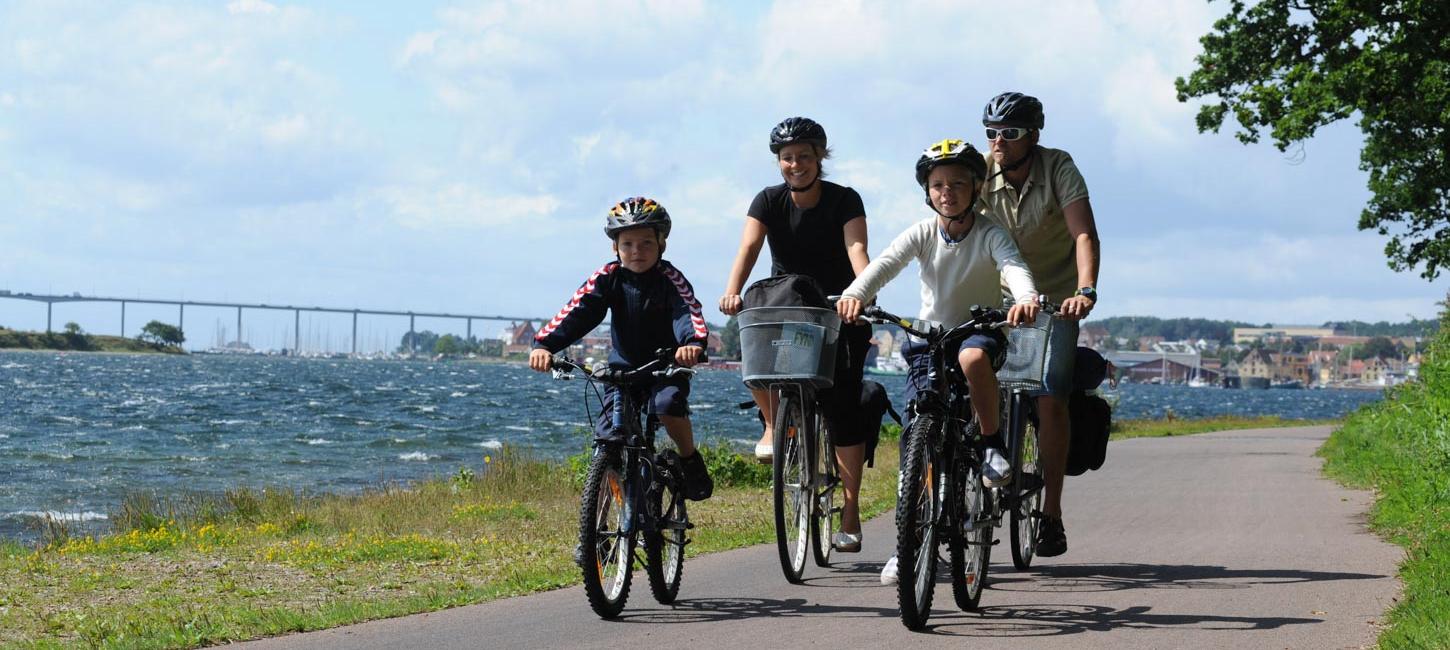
pixel 651 306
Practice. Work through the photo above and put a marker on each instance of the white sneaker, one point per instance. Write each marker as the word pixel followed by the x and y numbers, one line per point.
pixel 996 470
pixel 888 572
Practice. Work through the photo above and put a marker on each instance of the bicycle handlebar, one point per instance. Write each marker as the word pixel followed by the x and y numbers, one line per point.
pixel 661 366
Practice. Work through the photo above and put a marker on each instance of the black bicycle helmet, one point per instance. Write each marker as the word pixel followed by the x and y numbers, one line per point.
pixel 1013 109
pixel 950 152
pixel 797 129
pixel 637 212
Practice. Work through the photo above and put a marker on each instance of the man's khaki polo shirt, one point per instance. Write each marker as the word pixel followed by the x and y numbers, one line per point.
pixel 1035 220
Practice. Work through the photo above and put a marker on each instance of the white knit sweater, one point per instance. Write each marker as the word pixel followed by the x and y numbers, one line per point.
pixel 954 276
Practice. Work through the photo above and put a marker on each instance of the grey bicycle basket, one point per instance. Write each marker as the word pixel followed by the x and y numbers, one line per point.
pixel 1028 355
pixel 788 344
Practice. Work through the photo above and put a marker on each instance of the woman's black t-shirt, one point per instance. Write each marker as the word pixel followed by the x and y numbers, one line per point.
pixel 810 242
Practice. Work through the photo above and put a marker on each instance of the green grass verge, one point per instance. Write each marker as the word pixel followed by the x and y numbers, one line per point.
pixel 200 570
pixel 1178 427
pixel 1401 448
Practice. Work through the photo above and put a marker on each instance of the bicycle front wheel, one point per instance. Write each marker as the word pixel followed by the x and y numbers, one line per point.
pixel 791 490
pixel 1027 484
pixel 916 514
pixel 664 548
pixel 826 513
pixel 972 544
pixel 606 551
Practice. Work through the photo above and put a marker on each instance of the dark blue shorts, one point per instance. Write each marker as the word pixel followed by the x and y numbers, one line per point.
pixel 918 363
pixel 665 397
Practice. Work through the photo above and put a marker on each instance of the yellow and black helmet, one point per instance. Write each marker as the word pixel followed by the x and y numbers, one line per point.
pixel 637 212
pixel 950 152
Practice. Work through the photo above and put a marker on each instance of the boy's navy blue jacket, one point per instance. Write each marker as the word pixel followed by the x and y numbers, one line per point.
pixel 648 311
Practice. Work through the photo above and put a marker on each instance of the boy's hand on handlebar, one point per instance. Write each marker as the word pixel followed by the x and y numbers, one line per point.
pixel 688 355
pixel 540 359
pixel 1076 307
pixel 730 304
pixel 849 308
pixel 1022 313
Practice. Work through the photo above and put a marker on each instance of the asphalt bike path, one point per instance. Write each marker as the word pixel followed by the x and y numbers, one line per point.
pixel 1230 539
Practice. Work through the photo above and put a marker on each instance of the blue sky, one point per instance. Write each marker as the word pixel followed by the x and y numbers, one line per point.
pixel 460 156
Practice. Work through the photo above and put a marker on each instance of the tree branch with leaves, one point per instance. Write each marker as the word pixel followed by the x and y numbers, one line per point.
pixel 1290 67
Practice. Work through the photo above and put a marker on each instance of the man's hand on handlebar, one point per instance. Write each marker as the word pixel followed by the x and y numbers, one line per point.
pixel 688 355
pixel 730 304
pixel 849 308
pixel 1076 307
pixel 1024 313
pixel 540 360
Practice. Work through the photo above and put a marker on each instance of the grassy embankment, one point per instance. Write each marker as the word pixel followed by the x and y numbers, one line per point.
pixel 255 563
pixel 79 342
pixel 201 570
pixel 1401 448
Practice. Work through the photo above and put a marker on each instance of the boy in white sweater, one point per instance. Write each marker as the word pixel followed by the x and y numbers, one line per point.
pixel 963 258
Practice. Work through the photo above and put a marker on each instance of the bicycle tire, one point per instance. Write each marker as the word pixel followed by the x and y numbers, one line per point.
pixel 825 514
pixel 790 488
pixel 1026 507
pixel 606 553
pixel 916 516
pixel 664 547
pixel 971 549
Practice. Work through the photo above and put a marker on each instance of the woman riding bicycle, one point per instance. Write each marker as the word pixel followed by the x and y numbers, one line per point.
pixel 815 228
pixel 961 256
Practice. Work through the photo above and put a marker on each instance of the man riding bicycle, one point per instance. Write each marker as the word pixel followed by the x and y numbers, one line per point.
pixel 1039 197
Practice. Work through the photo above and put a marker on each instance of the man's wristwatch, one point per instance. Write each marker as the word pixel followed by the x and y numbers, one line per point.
pixel 1089 293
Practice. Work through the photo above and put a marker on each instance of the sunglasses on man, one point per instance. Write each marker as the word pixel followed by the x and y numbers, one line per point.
pixel 1010 134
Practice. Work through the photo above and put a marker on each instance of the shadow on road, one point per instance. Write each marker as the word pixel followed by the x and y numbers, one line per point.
pixel 1057 620
pixel 706 610
pixel 1119 577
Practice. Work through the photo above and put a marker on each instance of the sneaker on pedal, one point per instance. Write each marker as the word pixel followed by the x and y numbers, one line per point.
pixel 996 470
pixel 888 572
pixel 1051 538
pixel 698 485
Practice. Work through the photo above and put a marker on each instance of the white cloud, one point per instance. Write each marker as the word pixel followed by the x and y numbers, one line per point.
pixel 251 7
pixel 461 205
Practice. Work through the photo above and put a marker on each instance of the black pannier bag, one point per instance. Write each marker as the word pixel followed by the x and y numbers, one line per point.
pixel 875 404
pixel 785 291
pixel 1089 415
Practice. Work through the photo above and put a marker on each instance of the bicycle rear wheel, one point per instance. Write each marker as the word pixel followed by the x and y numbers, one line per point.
pixel 916 516
pixel 791 488
pixel 972 544
pixel 825 513
pixel 1027 484
pixel 664 547
pixel 606 552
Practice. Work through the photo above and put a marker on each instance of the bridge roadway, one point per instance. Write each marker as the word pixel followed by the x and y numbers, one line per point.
pixel 1218 540
pixel 181 305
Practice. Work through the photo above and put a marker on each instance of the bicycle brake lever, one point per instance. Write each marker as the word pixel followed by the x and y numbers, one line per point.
pixel 563 375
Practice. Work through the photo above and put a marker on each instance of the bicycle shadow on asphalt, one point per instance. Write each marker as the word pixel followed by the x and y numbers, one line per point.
pixel 1121 577
pixel 713 610
pixel 1059 620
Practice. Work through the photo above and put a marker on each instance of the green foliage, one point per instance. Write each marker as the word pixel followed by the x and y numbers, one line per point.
pixel 1378 347
pixel 1293 66
pixel 160 333
pixel 1172 329
pixel 1401 448
pixel 1414 327
pixel 448 345
pixel 730 339
pixel 728 466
